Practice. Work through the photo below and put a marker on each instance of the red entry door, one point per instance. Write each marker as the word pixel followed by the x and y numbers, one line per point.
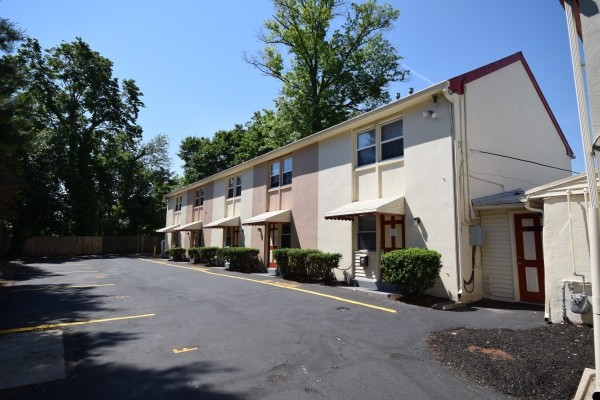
pixel 530 259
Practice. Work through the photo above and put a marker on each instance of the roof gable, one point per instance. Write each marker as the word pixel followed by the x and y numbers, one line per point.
pixel 458 83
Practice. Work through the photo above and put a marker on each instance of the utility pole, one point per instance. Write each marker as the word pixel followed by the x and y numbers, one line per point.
pixel 583 21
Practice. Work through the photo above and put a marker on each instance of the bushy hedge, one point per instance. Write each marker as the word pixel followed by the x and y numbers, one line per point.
pixel 175 253
pixel 306 264
pixel 208 255
pixel 321 266
pixel 241 259
pixel 412 270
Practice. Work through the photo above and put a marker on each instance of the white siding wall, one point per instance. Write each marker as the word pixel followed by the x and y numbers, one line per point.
pixel 497 256
pixel 218 211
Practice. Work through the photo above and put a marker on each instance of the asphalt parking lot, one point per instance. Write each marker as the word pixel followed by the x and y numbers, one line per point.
pixel 134 327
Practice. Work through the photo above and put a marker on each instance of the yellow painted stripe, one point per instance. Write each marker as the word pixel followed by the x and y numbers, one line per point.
pixel 184 350
pixel 282 285
pixel 63 324
pixel 58 287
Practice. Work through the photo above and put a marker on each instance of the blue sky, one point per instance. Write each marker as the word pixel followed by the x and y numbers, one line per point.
pixel 186 55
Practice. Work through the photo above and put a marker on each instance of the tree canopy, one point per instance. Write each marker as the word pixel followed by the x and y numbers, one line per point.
pixel 333 62
pixel 329 73
pixel 88 171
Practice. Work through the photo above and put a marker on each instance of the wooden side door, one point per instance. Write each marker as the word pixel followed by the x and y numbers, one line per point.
pixel 530 258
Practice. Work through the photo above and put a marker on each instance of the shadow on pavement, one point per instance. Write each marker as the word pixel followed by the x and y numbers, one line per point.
pixel 89 378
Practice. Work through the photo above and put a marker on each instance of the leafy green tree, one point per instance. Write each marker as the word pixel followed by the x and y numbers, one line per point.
pixel 88 116
pixel 330 73
pixel 87 172
pixel 12 143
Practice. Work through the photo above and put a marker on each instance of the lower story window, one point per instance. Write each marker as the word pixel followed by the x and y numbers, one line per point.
pixel 367 233
pixel 286 236
pixel 231 236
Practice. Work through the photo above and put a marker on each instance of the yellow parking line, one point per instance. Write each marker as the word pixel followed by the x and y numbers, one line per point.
pixel 63 324
pixel 184 350
pixel 282 285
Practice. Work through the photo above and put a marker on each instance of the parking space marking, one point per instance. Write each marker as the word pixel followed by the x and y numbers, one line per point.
pixel 58 287
pixel 121 297
pixel 64 324
pixel 282 285
pixel 184 350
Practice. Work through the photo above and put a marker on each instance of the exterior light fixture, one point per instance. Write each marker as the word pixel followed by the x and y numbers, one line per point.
pixel 416 221
pixel 430 114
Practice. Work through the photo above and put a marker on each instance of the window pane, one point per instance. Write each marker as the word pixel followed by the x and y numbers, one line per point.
pixel 287 178
pixel 275 180
pixel 391 131
pixel 365 139
pixel 392 149
pixel 366 156
pixel 367 223
pixel 231 181
pixel 287 164
pixel 238 191
pixel 275 168
pixel 367 241
pixel 239 181
pixel 230 193
pixel 202 197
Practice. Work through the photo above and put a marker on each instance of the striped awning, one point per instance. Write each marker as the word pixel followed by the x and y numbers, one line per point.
pixel 270 217
pixel 168 229
pixel 387 205
pixel 224 223
pixel 194 226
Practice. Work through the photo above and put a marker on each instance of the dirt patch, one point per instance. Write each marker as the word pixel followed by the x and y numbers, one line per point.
pixel 422 300
pixel 542 363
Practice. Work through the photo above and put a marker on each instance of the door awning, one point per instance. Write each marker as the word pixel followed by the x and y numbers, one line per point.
pixel 194 226
pixel 270 217
pixel 387 205
pixel 168 229
pixel 223 223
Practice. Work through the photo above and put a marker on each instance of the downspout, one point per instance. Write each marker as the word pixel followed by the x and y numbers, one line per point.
pixel 457 221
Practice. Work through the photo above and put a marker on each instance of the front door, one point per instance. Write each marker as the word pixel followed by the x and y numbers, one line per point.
pixel 530 259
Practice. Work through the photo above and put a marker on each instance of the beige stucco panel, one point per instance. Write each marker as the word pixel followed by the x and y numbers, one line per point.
pixel 335 190
pixel 506 116
pixel 429 181
pixel 558 254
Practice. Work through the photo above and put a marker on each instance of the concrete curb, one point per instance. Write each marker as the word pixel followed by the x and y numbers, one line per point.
pixel 587 385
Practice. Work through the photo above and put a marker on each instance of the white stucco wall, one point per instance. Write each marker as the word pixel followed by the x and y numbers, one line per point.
pixel 429 188
pixel 218 212
pixel 335 190
pixel 506 116
pixel 558 256
pixel 246 207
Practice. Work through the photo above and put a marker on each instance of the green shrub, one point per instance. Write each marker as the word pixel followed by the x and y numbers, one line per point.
pixel 306 264
pixel 241 258
pixel 208 255
pixel 281 258
pixel 321 266
pixel 193 252
pixel 176 253
pixel 412 270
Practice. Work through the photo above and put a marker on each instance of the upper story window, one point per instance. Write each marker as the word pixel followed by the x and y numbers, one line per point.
pixel 281 172
pixel 381 144
pixel 178 203
pixel 234 187
pixel 199 201
pixel 365 145
pixel 392 140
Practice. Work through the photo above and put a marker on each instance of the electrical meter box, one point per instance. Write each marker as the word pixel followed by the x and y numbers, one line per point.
pixel 475 235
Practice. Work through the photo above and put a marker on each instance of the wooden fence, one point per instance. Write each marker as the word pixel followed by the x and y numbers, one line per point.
pixel 39 246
